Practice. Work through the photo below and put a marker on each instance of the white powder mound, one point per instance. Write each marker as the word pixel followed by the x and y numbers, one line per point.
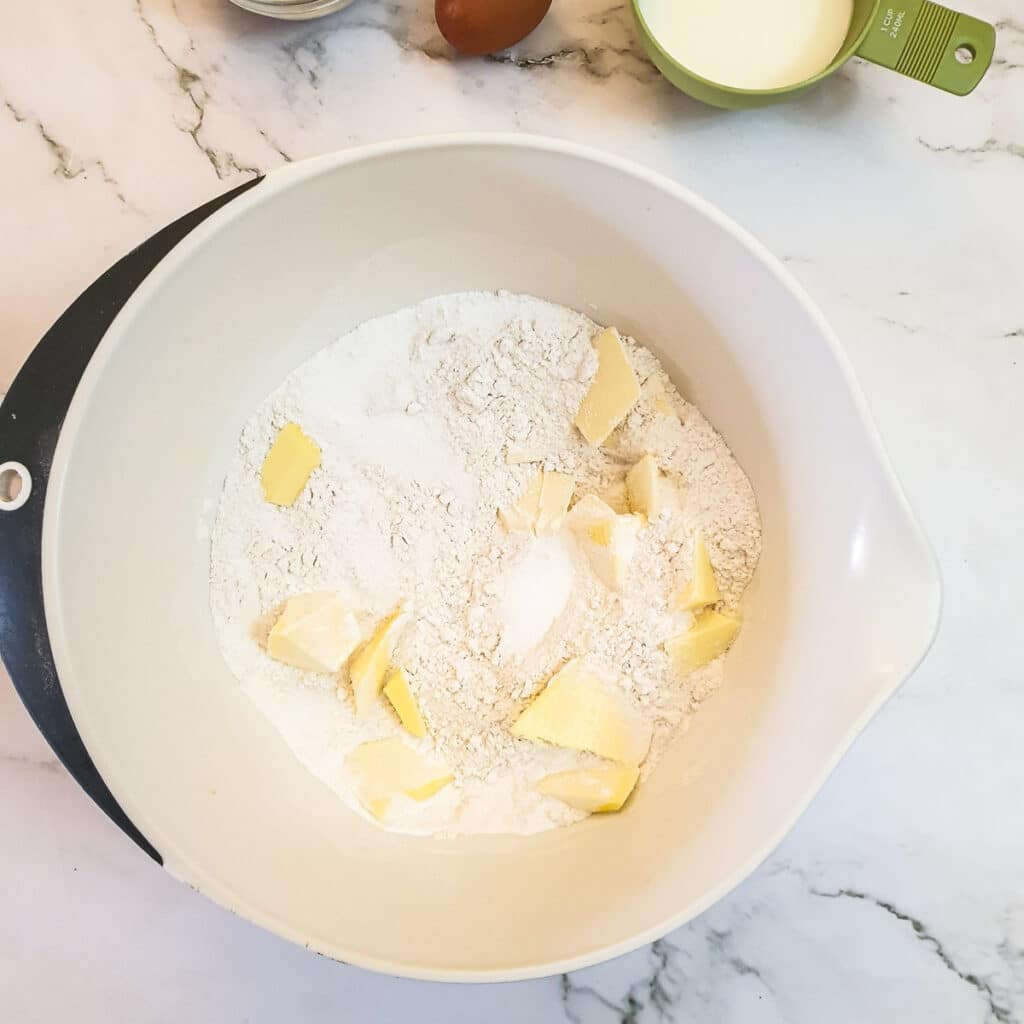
pixel 414 414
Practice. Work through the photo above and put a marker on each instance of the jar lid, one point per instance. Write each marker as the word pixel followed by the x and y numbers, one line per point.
pixel 292 10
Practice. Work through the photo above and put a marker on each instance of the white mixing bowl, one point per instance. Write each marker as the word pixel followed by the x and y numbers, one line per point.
pixel 844 604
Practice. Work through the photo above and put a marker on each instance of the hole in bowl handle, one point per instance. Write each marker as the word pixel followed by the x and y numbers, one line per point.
pixel 15 486
pixel 931 43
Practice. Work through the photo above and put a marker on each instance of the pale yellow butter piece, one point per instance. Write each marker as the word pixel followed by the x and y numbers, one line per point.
pixel 398 692
pixel 292 457
pixel 710 635
pixel 316 632
pixel 594 790
pixel 608 539
pixel 702 589
pixel 378 806
pixel 517 456
pixel 580 711
pixel 613 392
pixel 590 509
pixel 543 504
pixel 644 487
pixel 650 492
pixel 388 768
pixel 428 789
pixel 654 391
pixel 522 516
pixel 555 495
pixel 366 673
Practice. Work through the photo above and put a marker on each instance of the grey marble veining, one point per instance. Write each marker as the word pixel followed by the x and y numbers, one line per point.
pixel 899 897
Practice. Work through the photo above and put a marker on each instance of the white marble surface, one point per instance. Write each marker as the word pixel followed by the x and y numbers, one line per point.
pixel 899 897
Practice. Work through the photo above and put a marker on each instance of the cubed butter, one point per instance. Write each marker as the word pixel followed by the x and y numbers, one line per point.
pixel 516 456
pixel 555 495
pixel 378 806
pixel 654 393
pixel 292 457
pixel 543 505
pixel 594 790
pixel 702 588
pixel 398 692
pixel 613 392
pixel 428 789
pixel 710 635
pixel 650 492
pixel 522 516
pixel 366 673
pixel 316 632
pixel 388 768
pixel 580 711
pixel 608 539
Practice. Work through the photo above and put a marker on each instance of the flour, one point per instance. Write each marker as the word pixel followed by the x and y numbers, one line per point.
pixel 415 414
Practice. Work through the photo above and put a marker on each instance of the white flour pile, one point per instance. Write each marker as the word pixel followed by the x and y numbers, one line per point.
pixel 414 414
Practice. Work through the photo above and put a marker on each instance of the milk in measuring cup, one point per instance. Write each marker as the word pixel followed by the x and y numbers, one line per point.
pixel 750 44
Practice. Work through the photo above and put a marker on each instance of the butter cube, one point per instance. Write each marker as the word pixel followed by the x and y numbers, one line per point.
pixel 644 488
pixel 366 673
pixel 517 456
pixel 316 632
pixel 377 806
pixel 388 768
pixel 608 539
pixel 594 790
pixel 654 392
pixel 397 691
pixel 555 495
pixel 649 491
pixel 643 485
pixel 702 589
pixel 613 392
pixel 543 505
pixel 292 457
pixel 709 636
pixel 579 711
pixel 522 516
pixel 434 785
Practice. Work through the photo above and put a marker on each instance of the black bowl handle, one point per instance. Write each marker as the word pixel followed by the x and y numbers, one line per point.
pixel 30 421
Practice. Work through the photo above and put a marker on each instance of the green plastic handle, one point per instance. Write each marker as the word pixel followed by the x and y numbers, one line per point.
pixel 931 43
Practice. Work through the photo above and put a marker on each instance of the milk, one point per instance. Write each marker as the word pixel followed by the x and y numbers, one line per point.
pixel 750 44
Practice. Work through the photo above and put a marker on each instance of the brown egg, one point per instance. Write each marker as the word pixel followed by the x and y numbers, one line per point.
pixel 486 26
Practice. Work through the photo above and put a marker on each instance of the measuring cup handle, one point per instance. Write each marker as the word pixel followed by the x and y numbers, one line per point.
pixel 937 46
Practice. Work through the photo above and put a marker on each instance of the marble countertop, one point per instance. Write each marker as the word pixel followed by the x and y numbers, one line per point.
pixel 899 897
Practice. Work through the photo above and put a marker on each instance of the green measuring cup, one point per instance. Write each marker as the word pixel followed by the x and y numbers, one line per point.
pixel 917 38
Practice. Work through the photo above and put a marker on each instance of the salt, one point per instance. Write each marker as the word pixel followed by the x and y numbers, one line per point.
pixel 534 590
